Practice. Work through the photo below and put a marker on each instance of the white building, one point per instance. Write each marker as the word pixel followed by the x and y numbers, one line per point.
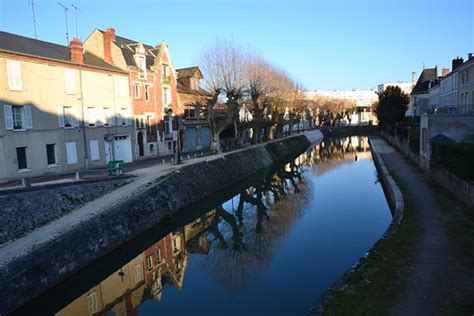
pixel 361 98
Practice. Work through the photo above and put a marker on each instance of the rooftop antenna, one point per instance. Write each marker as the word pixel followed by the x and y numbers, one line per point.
pixel 65 14
pixel 75 15
pixel 31 2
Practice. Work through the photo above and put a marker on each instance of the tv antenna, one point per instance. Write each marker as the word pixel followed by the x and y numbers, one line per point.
pixel 75 15
pixel 31 2
pixel 65 14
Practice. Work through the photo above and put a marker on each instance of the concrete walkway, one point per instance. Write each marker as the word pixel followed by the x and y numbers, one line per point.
pixel 435 276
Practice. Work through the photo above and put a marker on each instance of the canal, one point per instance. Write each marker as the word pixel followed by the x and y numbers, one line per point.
pixel 271 246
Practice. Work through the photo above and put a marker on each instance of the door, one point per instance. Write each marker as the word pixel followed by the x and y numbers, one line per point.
pixel 206 137
pixel 141 149
pixel 123 148
pixel 190 139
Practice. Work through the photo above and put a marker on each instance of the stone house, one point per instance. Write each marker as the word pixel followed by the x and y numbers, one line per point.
pixel 420 97
pixel 62 108
pixel 196 134
pixel 466 85
pixel 153 86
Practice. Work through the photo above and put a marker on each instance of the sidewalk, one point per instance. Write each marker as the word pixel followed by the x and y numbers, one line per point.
pixel 437 276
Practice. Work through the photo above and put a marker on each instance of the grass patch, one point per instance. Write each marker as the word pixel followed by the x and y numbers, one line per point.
pixel 370 289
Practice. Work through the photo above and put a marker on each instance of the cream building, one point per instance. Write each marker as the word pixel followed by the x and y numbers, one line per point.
pixel 61 109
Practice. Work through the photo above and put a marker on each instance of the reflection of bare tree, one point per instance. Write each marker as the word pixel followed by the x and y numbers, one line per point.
pixel 244 238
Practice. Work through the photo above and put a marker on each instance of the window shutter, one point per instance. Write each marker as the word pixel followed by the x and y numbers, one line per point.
pixel 111 117
pixel 94 146
pixel 119 119
pixel 71 153
pixel 70 81
pixel 14 75
pixel 75 118
pixel 123 87
pixel 99 112
pixel 8 116
pixel 28 118
pixel 61 116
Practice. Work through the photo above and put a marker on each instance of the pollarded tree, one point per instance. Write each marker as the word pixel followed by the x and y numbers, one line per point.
pixel 393 103
pixel 223 64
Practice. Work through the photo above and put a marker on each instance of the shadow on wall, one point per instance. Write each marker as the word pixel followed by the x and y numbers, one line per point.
pixel 36 142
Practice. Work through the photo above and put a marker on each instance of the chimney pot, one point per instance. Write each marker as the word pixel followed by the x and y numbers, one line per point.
pixel 456 63
pixel 76 51
pixel 445 71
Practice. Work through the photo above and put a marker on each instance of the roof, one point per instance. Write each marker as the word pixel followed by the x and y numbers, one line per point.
pixel 422 85
pixel 189 72
pixel 33 47
pixel 128 49
pixel 183 88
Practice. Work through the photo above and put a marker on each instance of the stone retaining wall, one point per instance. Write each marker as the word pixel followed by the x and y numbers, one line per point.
pixel 24 211
pixel 45 266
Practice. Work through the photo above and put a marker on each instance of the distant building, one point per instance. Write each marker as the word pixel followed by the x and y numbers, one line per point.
pixel 193 100
pixel 361 98
pixel 420 96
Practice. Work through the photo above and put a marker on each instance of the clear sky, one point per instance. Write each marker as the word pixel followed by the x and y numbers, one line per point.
pixel 325 44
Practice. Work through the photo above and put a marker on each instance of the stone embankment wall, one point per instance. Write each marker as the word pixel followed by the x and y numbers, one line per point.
pixel 462 189
pixel 396 202
pixel 48 264
pixel 23 211
pixel 402 145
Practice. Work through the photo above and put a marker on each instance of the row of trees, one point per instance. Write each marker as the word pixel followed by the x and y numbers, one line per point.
pixel 234 77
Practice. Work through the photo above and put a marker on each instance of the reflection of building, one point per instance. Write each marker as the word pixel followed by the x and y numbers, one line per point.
pixel 140 279
pixel 61 108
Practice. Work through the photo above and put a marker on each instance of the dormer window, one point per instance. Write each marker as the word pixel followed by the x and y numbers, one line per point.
pixel 141 62
pixel 166 73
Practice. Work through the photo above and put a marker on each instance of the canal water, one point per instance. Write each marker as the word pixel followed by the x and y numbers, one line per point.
pixel 271 247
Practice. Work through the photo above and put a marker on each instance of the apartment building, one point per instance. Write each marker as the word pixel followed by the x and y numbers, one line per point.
pixel 63 108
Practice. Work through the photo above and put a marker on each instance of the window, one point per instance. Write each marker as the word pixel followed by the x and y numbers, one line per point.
pixel 147 93
pixel 109 117
pixel 70 80
pixel 124 117
pixel 149 263
pixel 158 255
pixel 176 243
pixel 94 149
pixel 166 97
pixel 165 71
pixel 67 117
pixel 18 117
pixel 150 130
pixel 168 124
pixel 91 116
pixel 14 75
pixel 194 84
pixel 136 89
pixel 123 87
pixel 138 273
pixel 92 303
pixel 71 153
pixel 21 158
pixel 141 63
pixel 51 154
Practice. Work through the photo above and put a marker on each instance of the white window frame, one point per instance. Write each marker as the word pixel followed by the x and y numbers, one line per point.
pixel 94 149
pixel 91 116
pixel 136 91
pixel 25 117
pixel 147 93
pixel 92 303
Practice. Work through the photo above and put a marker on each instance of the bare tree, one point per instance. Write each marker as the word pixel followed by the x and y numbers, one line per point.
pixel 223 64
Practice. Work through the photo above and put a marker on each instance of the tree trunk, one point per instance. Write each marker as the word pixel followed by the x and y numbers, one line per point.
pixel 215 142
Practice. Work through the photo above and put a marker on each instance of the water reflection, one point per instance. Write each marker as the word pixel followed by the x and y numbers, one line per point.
pixel 233 245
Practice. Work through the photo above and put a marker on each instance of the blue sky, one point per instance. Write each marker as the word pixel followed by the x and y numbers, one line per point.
pixel 325 44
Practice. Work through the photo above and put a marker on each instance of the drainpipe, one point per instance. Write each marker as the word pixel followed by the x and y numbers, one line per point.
pixel 84 137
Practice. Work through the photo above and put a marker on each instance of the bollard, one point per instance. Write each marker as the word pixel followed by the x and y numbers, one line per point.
pixel 25 182
pixel 78 175
pixel 194 155
pixel 172 160
pixel 163 160
pixel 202 153
pixel 188 157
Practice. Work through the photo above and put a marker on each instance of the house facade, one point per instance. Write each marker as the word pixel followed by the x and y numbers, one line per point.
pixel 62 108
pixel 196 133
pixel 152 83
pixel 466 85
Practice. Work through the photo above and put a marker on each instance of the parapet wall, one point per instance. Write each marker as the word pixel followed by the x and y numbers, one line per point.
pixel 27 276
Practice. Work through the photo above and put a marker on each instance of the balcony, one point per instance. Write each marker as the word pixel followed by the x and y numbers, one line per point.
pixel 166 80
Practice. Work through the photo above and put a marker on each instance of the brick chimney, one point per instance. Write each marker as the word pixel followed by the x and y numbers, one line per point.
pixel 457 62
pixel 109 37
pixel 445 71
pixel 76 51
